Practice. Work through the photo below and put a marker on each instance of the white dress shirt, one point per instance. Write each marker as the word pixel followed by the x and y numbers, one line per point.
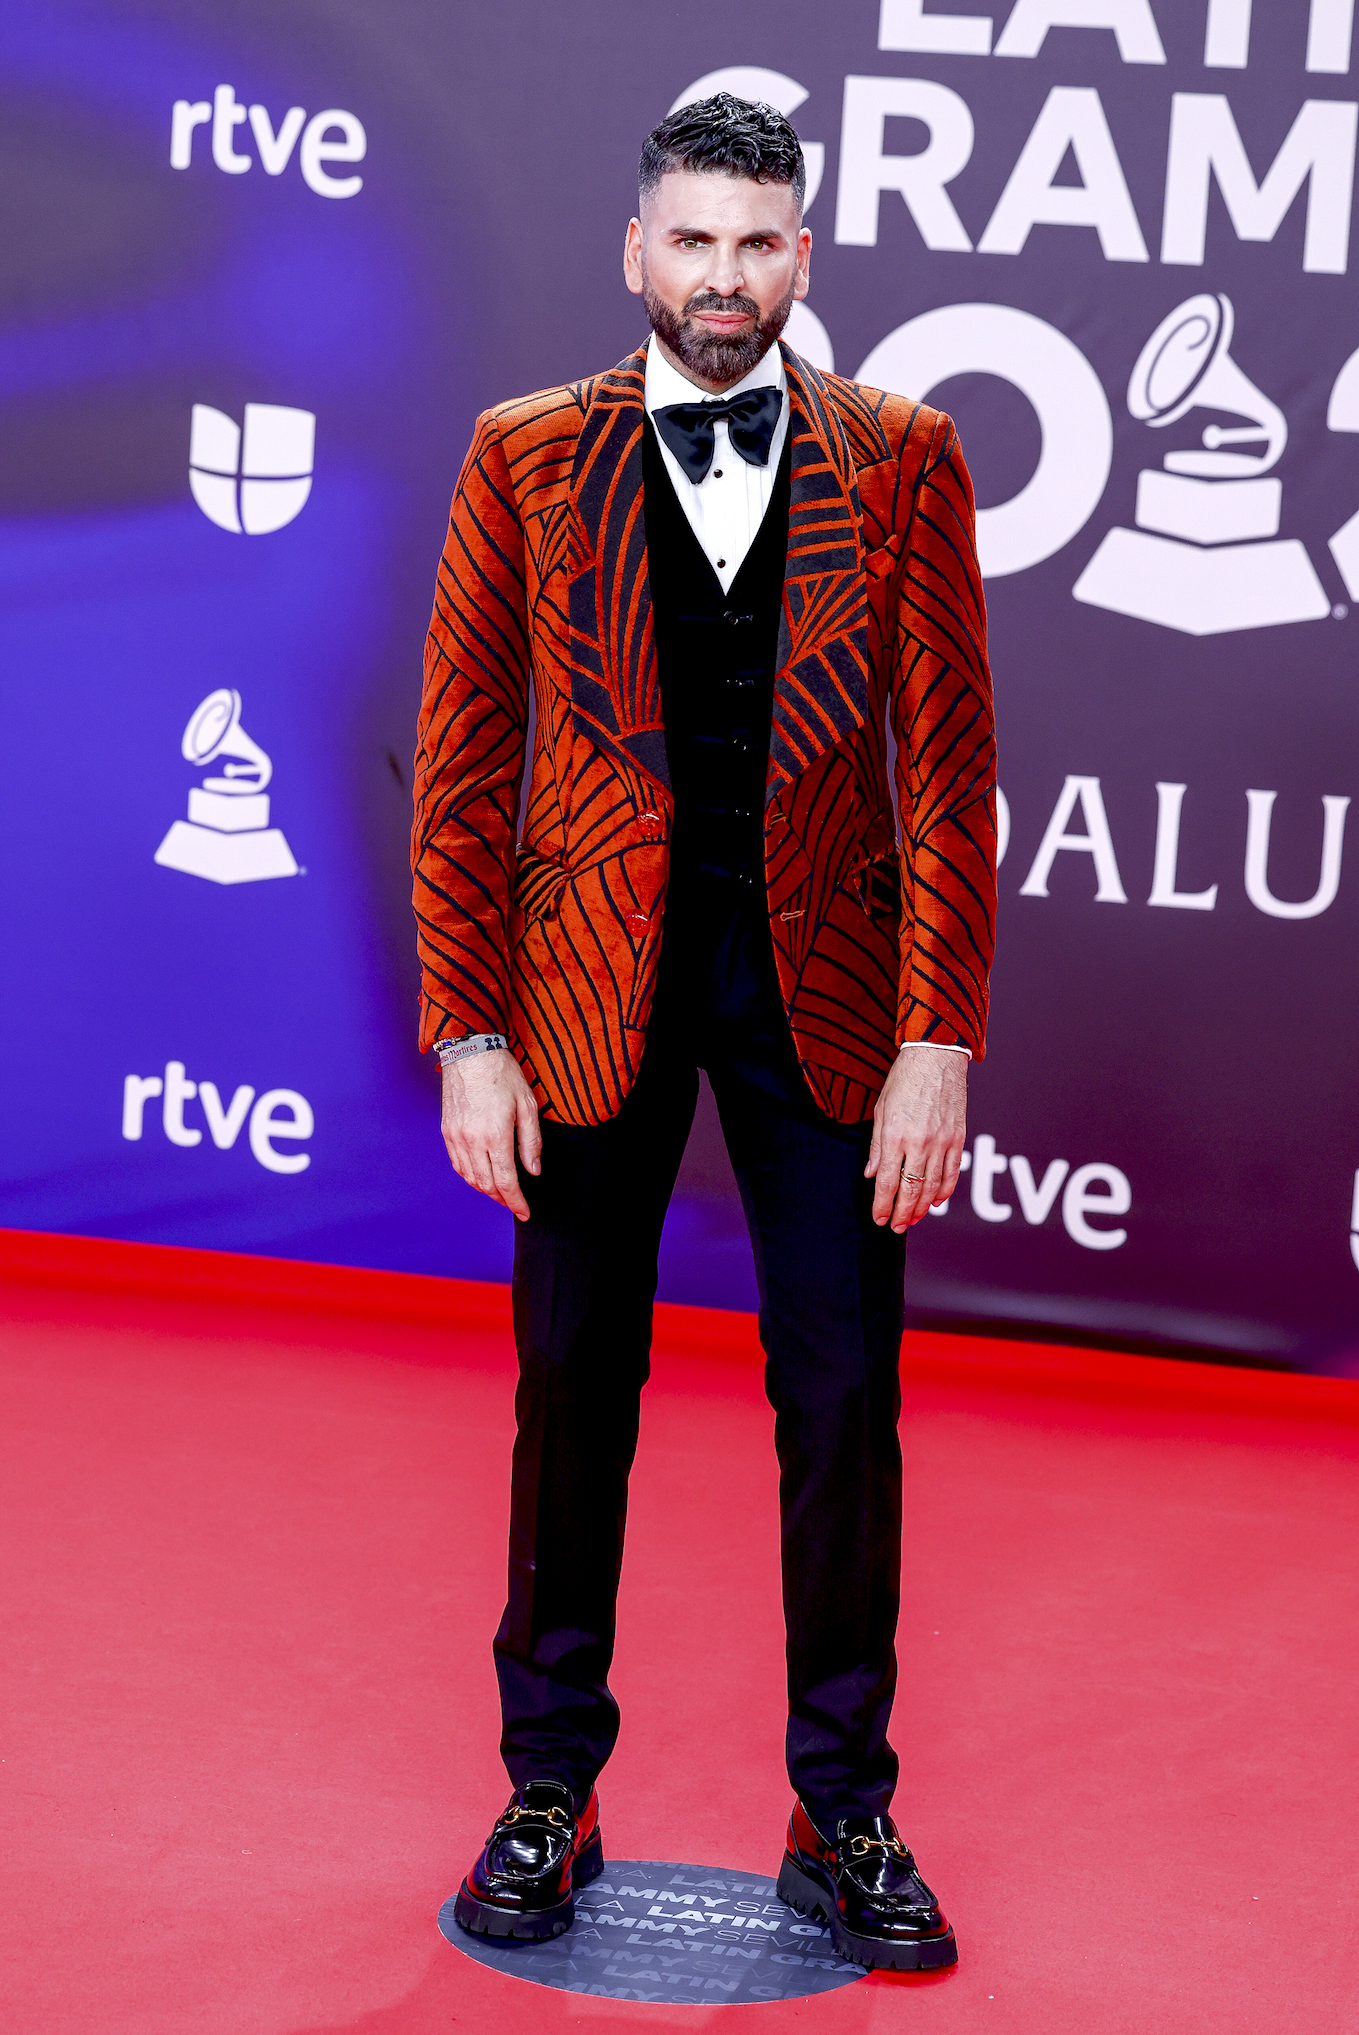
pixel 726 508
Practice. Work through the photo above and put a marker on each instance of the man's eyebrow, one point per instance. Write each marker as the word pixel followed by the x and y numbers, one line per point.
pixel 702 233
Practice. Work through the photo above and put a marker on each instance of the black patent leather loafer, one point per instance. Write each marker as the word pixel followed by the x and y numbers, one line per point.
pixel 523 1885
pixel 864 1884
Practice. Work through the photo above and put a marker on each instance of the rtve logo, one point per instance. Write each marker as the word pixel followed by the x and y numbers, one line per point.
pixel 256 479
pixel 275 147
pixel 1096 1189
pixel 278 1114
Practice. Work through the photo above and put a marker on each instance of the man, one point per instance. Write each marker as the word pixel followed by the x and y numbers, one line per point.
pixel 719 571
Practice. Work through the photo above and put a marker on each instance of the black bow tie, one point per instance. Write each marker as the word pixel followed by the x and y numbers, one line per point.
pixel 687 428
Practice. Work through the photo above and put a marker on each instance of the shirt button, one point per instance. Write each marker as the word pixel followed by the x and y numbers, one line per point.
pixel 651 825
pixel 721 564
pixel 638 922
pixel 717 473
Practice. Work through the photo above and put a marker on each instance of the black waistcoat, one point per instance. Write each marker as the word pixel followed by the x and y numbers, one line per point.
pixel 717 654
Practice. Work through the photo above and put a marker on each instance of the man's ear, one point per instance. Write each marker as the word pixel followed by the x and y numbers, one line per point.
pixel 632 257
pixel 802 282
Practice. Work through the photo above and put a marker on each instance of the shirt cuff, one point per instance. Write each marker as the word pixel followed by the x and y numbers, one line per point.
pixel 935 1046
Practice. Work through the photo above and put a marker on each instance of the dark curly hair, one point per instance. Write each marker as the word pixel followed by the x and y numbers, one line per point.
pixel 743 137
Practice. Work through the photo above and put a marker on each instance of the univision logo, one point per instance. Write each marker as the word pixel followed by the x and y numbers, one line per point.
pixel 255 478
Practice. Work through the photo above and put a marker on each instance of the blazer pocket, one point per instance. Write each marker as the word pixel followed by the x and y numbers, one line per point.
pixel 538 885
pixel 882 561
pixel 788 868
pixel 879 889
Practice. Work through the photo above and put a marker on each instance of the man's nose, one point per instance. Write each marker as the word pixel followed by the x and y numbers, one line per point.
pixel 724 274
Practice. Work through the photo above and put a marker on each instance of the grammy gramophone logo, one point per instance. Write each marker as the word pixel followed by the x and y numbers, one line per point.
pixel 227 837
pixel 1206 555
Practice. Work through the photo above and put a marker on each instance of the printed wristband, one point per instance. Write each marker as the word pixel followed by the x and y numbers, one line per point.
pixel 450 1051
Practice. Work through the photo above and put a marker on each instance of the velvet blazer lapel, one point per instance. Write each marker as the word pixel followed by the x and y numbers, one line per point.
pixel 821 685
pixel 615 681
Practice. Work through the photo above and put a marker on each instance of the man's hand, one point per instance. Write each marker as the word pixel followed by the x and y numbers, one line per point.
pixel 486 1103
pixel 919 1127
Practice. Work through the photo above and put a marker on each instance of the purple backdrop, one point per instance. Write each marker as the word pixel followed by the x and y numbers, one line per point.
pixel 242 349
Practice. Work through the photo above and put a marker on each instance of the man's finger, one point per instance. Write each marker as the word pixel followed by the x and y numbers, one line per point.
pixel 913 1184
pixel 874 1151
pixel 483 1171
pixel 902 1209
pixel 927 1190
pixel 899 1191
pixel 953 1173
pixel 888 1177
pixel 530 1137
pixel 507 1188
pixel 936 1180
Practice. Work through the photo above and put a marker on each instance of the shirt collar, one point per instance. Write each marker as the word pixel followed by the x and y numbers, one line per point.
pixel 665 384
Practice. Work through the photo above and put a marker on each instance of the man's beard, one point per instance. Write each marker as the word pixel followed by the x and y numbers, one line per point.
pixel 709 355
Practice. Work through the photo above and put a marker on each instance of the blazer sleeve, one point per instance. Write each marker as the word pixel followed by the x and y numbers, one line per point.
pixel 944 722
pixel 469 756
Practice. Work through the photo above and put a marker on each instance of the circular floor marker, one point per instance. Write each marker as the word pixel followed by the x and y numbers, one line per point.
pixel 687 1934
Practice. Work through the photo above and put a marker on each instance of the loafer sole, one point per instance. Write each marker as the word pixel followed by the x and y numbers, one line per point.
pixel 878 1953
pixel 529 1925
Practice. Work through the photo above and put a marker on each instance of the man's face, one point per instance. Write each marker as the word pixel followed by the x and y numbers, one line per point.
pixel 718 261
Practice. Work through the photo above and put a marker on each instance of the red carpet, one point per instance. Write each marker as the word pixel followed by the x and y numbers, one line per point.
pixel 254 1552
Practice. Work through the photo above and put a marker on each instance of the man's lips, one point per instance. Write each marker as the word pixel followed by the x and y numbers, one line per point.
pixel 723 321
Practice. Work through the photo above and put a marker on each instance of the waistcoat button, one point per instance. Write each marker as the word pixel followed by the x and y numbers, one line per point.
pixel 651 826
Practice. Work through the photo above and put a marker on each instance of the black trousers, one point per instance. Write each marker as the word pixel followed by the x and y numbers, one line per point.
pixel 831 1314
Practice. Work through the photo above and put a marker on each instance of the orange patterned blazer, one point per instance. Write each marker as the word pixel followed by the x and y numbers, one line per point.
pixel 543 589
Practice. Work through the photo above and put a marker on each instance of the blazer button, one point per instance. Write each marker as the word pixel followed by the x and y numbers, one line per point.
pixel 652 826
pixel 637 922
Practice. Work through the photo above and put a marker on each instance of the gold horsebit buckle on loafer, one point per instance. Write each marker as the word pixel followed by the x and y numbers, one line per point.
pixel 859 1847
pixel 550 1815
